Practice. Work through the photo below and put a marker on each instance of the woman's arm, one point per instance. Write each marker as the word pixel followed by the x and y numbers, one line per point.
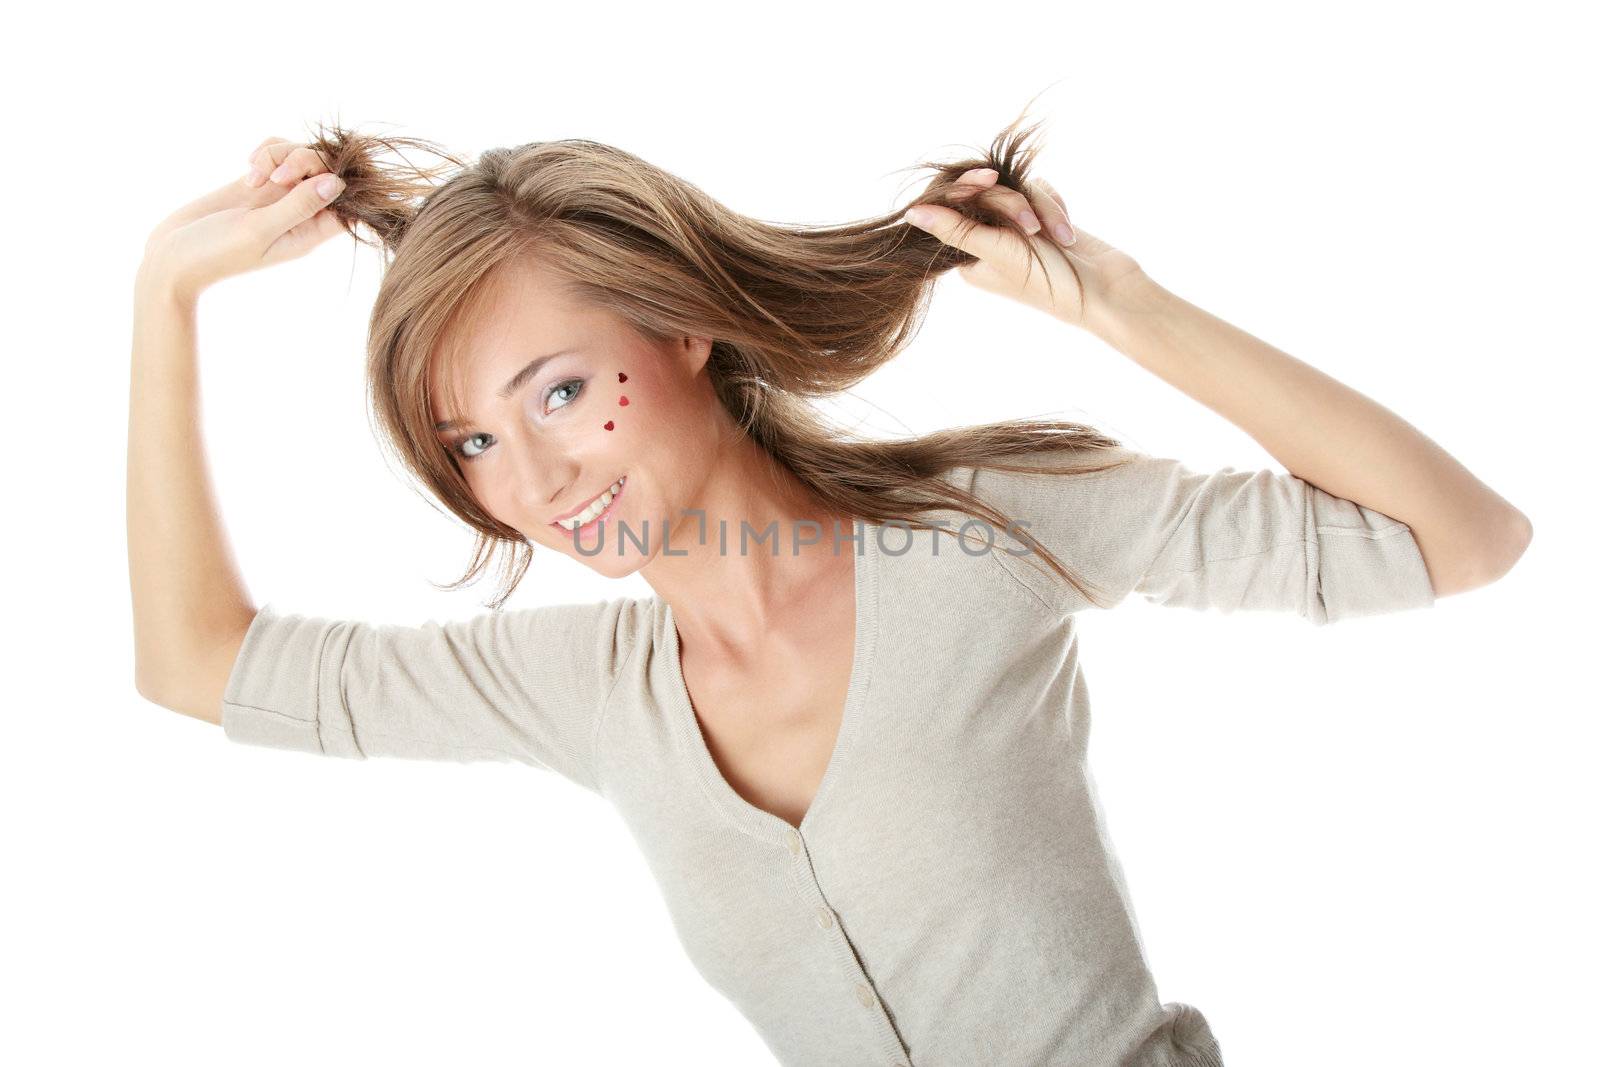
pixel 1321 430
pixel 190 606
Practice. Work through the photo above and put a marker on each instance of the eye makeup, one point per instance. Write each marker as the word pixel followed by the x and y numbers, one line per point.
pixel 458 448
pixel 557 388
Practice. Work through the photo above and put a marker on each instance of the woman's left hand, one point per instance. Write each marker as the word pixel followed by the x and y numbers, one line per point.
pixel 1085 274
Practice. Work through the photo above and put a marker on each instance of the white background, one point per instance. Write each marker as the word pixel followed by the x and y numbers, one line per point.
pixel 1362 843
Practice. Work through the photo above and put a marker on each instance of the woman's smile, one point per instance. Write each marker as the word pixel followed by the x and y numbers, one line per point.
pixel 592 513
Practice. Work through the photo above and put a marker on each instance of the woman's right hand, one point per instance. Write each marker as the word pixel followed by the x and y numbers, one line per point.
pixel 243 227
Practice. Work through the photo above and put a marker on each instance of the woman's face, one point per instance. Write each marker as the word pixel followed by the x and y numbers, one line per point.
pixel 590 403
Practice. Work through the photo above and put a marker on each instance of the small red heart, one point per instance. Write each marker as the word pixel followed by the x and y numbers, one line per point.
pixel 610 425
pixel 623 402
pixel 621 377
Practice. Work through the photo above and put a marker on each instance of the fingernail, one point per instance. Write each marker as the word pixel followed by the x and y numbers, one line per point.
pixel 1064 233
pixel 328 186
pixel 1029 220
pixel 253 177
pixel 281 173
pixel 915 216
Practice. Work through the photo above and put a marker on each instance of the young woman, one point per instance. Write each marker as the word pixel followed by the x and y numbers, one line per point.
pixel 849 731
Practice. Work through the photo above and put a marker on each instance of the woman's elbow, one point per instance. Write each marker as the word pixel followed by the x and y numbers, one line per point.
pixel 1503 544
pixel 1512 541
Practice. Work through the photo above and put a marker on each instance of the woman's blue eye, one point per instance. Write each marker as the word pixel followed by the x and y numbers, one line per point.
pixel 575 385
pixel 468 456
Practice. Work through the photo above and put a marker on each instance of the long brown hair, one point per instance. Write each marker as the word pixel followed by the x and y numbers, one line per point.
pixel 797 312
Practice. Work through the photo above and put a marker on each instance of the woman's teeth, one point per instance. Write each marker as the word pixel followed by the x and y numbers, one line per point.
pixel 600 503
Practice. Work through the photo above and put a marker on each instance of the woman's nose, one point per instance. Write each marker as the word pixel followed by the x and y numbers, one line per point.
pixel 541 476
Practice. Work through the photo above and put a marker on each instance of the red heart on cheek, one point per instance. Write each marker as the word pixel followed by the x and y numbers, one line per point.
pixel 621 377
pixel 610 425
pixel 623 402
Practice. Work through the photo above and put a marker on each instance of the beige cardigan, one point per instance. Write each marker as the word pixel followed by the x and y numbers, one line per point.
pixel 950 898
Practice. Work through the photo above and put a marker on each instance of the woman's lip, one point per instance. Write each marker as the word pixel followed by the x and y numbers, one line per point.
pixel 579 509
pixel 594 521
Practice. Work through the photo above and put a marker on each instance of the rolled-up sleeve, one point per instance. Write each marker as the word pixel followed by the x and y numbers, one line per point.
pixel 1226 540
pixel 526 685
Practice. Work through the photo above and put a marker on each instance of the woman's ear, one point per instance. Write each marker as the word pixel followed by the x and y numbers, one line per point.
pixel 696 351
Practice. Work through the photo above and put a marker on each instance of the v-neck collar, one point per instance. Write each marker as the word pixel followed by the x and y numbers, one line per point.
pixel 733 807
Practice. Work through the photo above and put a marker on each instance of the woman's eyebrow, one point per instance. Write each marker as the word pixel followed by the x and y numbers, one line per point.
pixel 518 380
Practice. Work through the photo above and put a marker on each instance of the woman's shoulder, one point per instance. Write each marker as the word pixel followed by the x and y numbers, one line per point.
pixel 607 630
pixel 1030 477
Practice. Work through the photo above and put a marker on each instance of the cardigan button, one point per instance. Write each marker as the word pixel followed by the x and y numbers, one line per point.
pixel 864 995
pixel 824 918
pixel 794 842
